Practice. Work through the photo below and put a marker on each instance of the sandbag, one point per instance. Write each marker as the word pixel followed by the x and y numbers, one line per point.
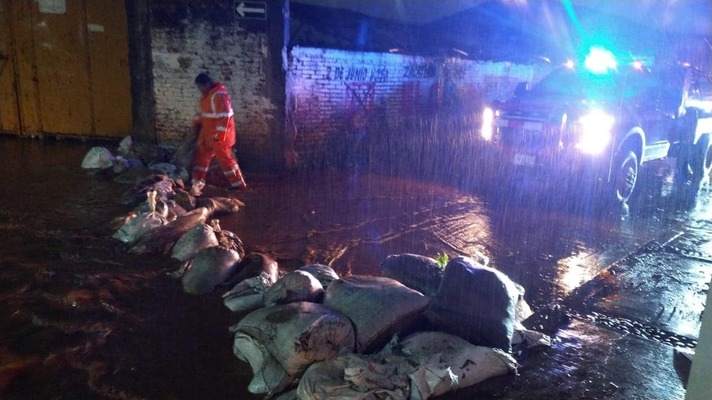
pixel 209 268
pixel 184 199
pixel 295 334
pixel 524 338
pixel 288 395
pixel 248 295
pixel 295 286
pixel 162 239
pixel 254 264
pixel 163 167
pixel 197 238
pixel 522 310
pixel 444 362
pixel 220 205
pixel 268 376
pixel 379 308
pixel 125 146
pixel 184 154
pixel 228 239
pixel 323 273
pixel 355 377
pixel 476 303
pixel 97 158
pixel 417 272
pixel 136 228
pixel 164 188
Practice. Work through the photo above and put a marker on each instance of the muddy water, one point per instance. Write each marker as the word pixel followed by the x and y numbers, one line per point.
pixel 80 318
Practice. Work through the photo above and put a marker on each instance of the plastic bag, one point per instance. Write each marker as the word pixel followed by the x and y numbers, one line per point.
pixel 135 228
pixel 163 238
pixel 97 158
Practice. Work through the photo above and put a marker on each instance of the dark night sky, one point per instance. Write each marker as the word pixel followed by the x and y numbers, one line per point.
pixel 680 16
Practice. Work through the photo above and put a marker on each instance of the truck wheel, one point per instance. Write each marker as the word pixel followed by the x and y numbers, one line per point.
pixel 625 176
pixel 695 166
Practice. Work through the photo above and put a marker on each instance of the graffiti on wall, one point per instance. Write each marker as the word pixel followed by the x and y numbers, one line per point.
pixel 360 95
pixel 360 98
pixel 357 73
pixel 420 71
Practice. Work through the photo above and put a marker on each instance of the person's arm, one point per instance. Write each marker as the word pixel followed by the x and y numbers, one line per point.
pixel 223 113
pixel 197 125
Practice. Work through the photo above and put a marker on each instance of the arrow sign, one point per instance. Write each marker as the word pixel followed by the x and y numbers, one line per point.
pixel 251 10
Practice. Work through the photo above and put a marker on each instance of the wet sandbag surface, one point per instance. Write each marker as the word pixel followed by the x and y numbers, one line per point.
pixel 197 238
pixel 417 272
pixel 379 308
pixel 210 267
pixel 295 334
pixel 355 377
pixel 97 158
pixel 163 238
pixel 254 264
pixel 476 303
pixel 248 295
pixel 323 273
pixel 137 227
pixel 268 376
pixel 445 362
pixel 295 286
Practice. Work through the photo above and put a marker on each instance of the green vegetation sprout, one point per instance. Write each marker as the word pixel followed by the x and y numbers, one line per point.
pixel 441 259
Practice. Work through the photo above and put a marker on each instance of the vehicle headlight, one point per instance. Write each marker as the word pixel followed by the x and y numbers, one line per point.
pixel 487 123
pixel 595 133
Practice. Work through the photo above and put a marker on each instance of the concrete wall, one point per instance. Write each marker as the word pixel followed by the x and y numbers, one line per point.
pixel 334 93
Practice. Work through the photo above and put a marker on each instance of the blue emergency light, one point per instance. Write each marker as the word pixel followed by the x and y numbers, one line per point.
pixel 600 61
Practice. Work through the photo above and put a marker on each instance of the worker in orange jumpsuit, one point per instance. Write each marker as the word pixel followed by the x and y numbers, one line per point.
pixel 215 126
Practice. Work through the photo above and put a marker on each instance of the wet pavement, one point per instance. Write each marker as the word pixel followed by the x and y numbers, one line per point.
pixel 81 318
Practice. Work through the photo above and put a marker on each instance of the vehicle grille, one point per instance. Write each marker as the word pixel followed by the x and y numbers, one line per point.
pixel 545 137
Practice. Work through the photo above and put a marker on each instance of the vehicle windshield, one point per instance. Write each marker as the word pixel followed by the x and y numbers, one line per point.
pixel 572 83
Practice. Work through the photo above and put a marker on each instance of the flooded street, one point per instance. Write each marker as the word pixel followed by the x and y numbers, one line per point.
pixel 82 318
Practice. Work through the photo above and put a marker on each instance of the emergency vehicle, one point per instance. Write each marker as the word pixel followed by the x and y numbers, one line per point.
pixel 599 122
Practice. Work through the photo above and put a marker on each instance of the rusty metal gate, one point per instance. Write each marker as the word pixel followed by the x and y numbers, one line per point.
pixel 64 68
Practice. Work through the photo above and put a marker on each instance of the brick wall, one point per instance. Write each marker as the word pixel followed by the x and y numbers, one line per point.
pixel 331 94
pixel 334 93
pixel 189 38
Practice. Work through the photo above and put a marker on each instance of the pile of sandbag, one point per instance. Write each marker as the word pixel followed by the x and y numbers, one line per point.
pixel 166 219
pixel 330 337
pixel 281 341
pixel 477 327
pixel 423 365
pixel 373 309
pixel 131 155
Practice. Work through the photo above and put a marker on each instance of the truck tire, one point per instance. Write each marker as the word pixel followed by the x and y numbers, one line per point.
pixel 693 168
pixel 624 176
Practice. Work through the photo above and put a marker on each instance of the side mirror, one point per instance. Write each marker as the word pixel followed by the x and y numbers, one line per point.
pixel 521 89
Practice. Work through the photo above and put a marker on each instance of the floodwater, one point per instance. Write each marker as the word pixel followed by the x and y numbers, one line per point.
pixel 81 318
